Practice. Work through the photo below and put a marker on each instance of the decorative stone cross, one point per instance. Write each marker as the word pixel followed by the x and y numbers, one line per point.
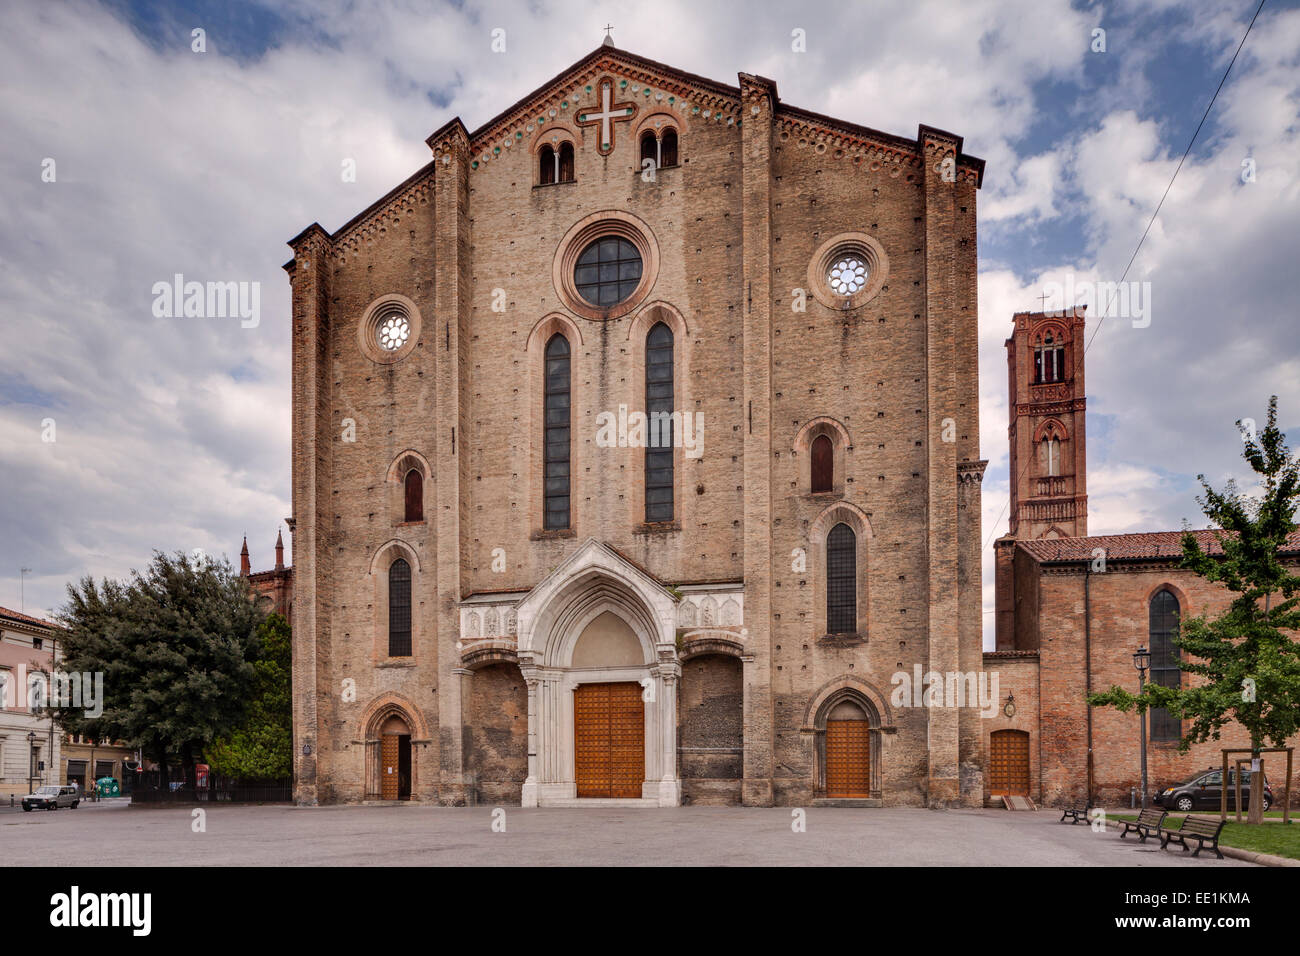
pixel 607 116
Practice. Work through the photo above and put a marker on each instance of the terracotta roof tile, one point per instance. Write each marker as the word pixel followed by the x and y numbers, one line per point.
pixel 1151 545
pixel 25 618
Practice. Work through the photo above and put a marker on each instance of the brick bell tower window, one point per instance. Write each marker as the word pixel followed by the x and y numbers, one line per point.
pixel 1049 361
pixel 608 271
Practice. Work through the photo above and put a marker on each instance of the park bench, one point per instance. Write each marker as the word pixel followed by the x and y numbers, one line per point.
pixel 1147 824
pixel 1201 829
pixel 1076 814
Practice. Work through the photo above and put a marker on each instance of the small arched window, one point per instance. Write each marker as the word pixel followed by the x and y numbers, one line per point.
pixel 668 148
pixel 823 464
pixel 1049 359
pixel 649 147
pixel 399 609
pixel 414 496
pixel 555 437
pixel 549 165
pixel 841 580
pixel 1052 451
pixel 566 163
pixel 1163 628
pixel 659 423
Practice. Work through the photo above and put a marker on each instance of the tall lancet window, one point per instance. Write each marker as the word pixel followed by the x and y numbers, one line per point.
pixel 659 424
pixel 841 580
pixel 556 427
pixel 399 609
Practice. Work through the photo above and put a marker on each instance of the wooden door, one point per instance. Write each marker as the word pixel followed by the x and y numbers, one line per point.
pixel 388 776
pixel 1009 763
pixel 609 740
pixel 848 758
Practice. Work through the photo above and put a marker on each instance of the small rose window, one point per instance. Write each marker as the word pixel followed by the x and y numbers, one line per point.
pixel 393 331
pixel 848 274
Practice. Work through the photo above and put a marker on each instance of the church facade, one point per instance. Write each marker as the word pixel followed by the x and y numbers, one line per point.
pixel 636 453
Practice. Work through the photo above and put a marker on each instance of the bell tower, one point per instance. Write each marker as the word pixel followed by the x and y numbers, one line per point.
pixel 1048 436
pixel 1047 431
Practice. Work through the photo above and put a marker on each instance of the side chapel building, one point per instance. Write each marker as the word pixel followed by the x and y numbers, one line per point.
pixel 635 448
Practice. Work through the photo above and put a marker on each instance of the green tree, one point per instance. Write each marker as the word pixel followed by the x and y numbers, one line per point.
pixel 261 748
pixel 176 646
pixel 1247 659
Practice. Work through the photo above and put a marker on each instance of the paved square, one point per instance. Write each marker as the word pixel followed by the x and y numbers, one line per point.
pixel 458 836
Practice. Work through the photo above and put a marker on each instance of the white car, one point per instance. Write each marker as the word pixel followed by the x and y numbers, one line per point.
pixel 52 797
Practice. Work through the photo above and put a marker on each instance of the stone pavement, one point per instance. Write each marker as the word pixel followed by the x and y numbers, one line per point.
pixel 455 836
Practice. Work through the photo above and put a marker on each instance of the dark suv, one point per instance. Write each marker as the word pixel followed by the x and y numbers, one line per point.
pixel 1202 792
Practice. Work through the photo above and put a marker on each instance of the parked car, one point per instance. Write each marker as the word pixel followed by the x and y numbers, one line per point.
pixel 1203 791
pixel 52 797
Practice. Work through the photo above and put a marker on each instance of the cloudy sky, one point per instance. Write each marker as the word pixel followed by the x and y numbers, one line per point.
pixel 174 433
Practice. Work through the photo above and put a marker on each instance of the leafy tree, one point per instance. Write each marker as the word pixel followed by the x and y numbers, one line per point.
pixel 261 748
pixel 176 645
pixel 1247 658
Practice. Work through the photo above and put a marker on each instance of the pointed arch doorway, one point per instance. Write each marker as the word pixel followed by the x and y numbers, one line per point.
pixel 395 759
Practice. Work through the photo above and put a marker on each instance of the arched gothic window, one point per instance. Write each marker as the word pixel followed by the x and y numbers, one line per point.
pixel 668 148
pixel 399 609
pixel 659 424
pixel 841 580
pixel 549 167
pixel 1049 359
pixel 1163 621
pixel 566 163
pixel 556 435
pixel 414 496
pixel 649 147
pixel 823 464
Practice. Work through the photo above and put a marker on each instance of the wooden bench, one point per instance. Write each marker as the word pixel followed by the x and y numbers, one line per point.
pixel 1076 814
pixel 1200 829
pixel 1147 824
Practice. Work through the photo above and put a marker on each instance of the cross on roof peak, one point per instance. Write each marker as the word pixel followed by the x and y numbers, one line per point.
pixel 609 40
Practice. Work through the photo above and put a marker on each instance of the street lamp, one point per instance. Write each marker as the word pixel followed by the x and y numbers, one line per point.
pixel 1142 660
pixel 31 758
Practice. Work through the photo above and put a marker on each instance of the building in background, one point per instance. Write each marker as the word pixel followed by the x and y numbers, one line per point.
pixel 30 743
pixel 1072 608
pixel 274 588
pixel 87 761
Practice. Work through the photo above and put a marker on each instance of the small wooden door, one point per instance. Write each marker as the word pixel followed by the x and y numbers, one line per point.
pixel 609 740
pixel 1009 763
pixel 848 758
pixel 388 767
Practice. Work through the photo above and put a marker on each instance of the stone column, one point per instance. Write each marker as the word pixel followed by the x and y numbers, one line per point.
pixel 528 798
pixel 670 787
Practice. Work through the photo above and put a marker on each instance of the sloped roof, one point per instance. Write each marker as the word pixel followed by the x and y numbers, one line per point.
pixel 1149 546
pixel 19 618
